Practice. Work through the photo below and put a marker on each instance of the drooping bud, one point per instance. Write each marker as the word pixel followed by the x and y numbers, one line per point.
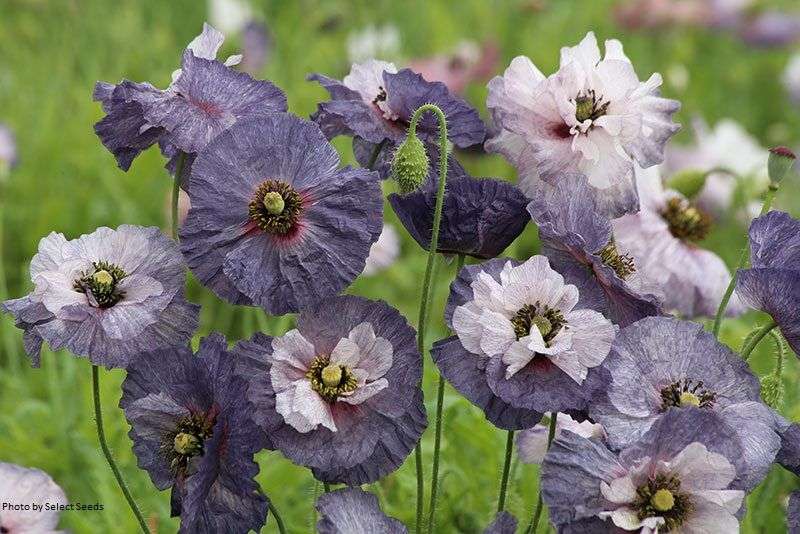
pixel 410 164
pixel 688 182
pixel 274 203
pixel 772 391
pixel 780 162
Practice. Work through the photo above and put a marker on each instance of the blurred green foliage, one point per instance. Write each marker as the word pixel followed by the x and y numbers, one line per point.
pixel 51 53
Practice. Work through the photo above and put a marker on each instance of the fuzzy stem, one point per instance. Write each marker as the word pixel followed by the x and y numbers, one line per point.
pixel 437 442
pixel 538 511
pixel 501 499
pixel 277 516
pixel 176 188
pixel 101 435
pixel 427 282
pixel 723 305
pixel 756 338
pixel 780 352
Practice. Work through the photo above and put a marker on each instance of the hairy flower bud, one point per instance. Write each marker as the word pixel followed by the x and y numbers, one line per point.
pixel 410 164
pixel 772 390
pixel 780 162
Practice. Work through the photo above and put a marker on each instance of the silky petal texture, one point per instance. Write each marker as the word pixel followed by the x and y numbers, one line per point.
pixel 341 217
pixel 354 511
pixel 23 486
pixel 656 352
pixel 793 513
pixel 573 231
pixel 351 112
pixel 480 217
pixel 504 523
pixel 218 493
pixel 532 442
pixel 152 314
pixel 775 291
pixel 466 372
pixel 775 241
pixel 371 438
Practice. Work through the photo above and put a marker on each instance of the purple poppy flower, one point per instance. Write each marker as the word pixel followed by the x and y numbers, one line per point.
pixel 504 523
pixel 789 454
pixel 681 477
pixel 793 513
pixel 375 102
pixel 672 365
pixel 341 393
pixel 354 511
pixel 19 489
pixel 772 284
pixel 523 345
pixel 771 28
pixel 480 217
pixel 192 431
pixel 593 116
pixel 578 239
pixel 274 221
pixel 206 97
pixel 108 295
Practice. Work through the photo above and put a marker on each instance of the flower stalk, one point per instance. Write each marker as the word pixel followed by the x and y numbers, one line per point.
pixel 755 338
pixel 101 435
pixel 537 513
pixel 176 189
pixel 501 499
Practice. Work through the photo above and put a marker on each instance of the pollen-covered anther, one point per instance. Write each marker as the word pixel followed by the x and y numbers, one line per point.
pixel 276 207
pixel 187 444
pixel 547 320
pixel 661 496
pixel 622 264
pixel 590 106
pixel 687 392
pixel 685 220
pixel 100 284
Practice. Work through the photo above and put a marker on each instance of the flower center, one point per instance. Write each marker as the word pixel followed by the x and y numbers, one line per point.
pixel 661 497
pixel 100 284
pixel 685 220
pixel 687 392
pixel 276 207
pixel 188 441
pixel 380 102
pixel 330 380
pixel 547 320
pixel 622 264
pixel 590 106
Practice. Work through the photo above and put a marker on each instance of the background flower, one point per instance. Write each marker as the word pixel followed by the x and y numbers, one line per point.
pixel 532 442
pixel 354 511
pixel 22 487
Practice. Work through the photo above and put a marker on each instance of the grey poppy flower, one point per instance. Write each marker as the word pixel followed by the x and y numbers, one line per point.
pixel 659 365
pixel 681 477
pixel 480 217
pixel 578 239
pixel 192 431
pixel 354 511
pixel 22 487
pixel 341 393
pixel 108 295
pixel 274 221
pixel 523 345
pixel 205 98
pixel 772 284
pixel 504 523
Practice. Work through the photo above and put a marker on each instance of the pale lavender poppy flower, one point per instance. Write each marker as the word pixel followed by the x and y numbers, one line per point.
pixel 383 252
pixel 532 442
pixel 23 487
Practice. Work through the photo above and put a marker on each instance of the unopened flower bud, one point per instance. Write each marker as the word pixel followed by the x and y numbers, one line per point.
pixel 410 164
pixel 772 391
pixel 781 160
pixel 688 182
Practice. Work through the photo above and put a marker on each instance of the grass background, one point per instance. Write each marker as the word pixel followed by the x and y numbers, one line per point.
pixel 51 53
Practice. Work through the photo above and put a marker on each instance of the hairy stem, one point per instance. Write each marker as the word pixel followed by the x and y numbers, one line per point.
pixel 723 305
pixel 176 189
pixel 101 435
pixel 427 281
pixel 537 513
pixel 501 498
pixel 756 338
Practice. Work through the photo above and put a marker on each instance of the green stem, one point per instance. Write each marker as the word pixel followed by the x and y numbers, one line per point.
pixel 537 513
pixel 501 499
pixel 176 189
pixel 277 516
pixel 723 305
pixel 101 434
pixel 756 338
pixel 437 442
pixel 314 496
pixel 780 351
pixel 427 281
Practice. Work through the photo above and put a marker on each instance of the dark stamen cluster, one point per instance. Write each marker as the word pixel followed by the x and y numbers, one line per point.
pixel 622 264
pixel 268 218
pixel 687 392
pixel 100 284
pixel 590 106
pixel 547 320
pixel 187 441
pixel 381 97
pixel 661 497
pixel 330 380
pixel 685 220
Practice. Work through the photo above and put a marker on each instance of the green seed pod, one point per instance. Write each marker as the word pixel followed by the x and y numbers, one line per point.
pixel 780 162
pixel 410 164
